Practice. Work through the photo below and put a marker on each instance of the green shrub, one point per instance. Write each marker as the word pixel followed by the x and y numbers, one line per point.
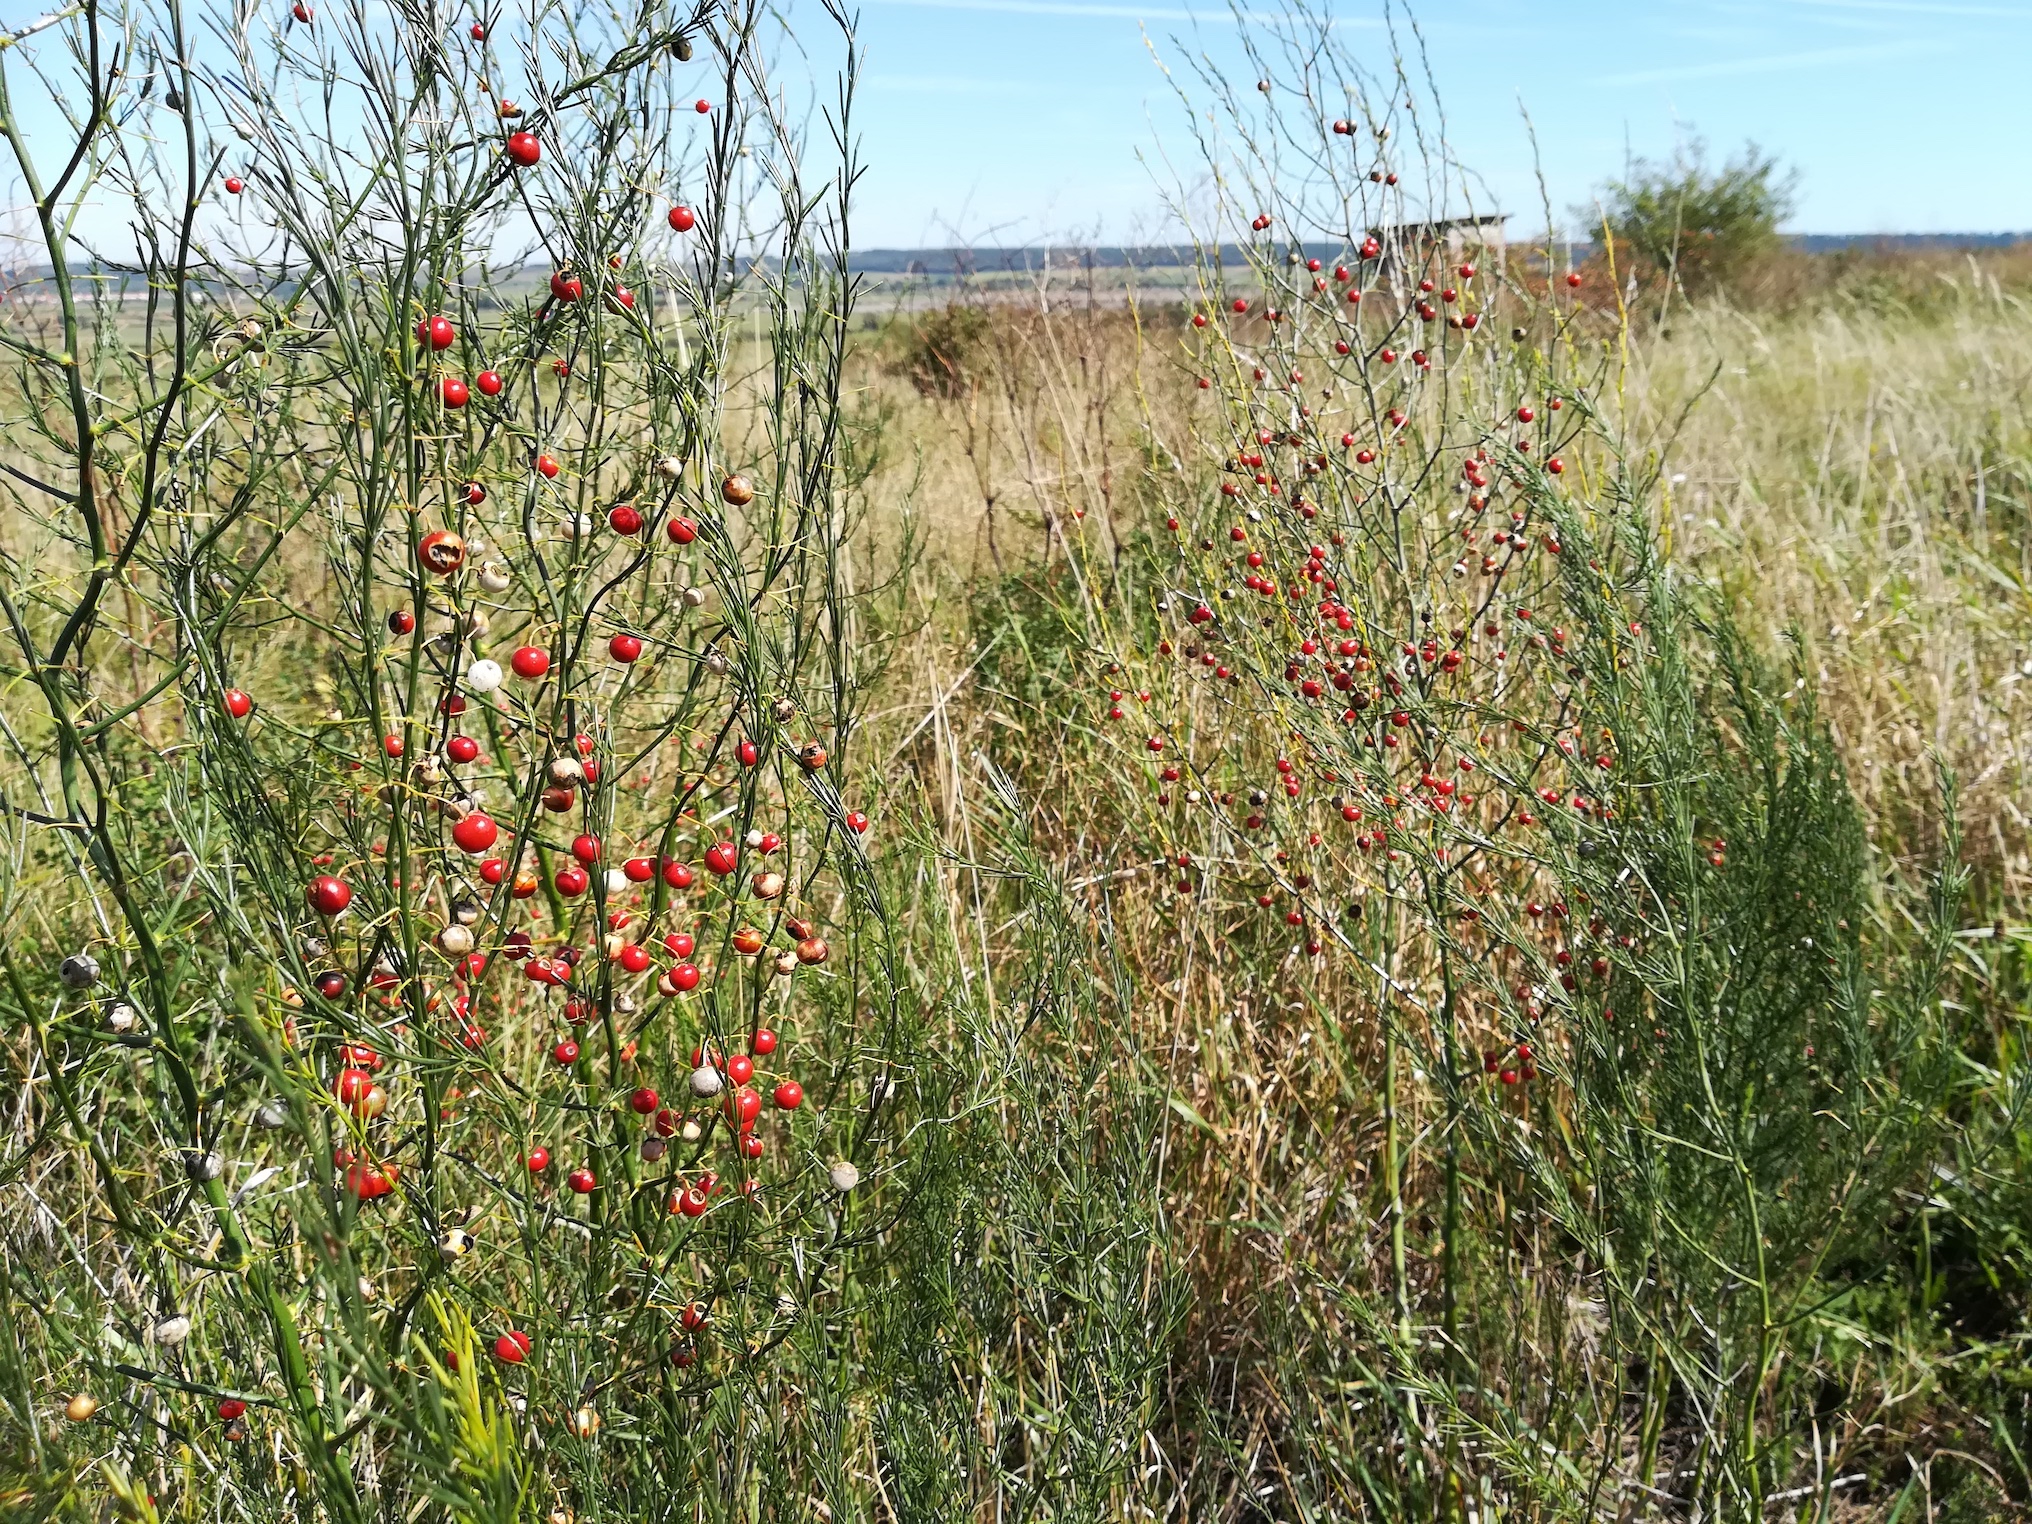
pixel 1697 227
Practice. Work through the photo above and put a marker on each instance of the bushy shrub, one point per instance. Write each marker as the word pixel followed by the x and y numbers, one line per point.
pixel 1695 226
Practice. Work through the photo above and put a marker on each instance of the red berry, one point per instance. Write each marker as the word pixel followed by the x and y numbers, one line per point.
pixel 701 107
pixel 231 1408
pixel 538 1160
pixel 722 858
pixel 489 382
pixel 350 1086
pixel 677 875
pixel 436 332
pixel 682 531
pixel 640 870
pixel 625 648
pixel 238 704
pixel 572 881
pixel 740 1068
pixel 523 148
pixel 454 391
pixel 547 467
pixel 643 1101
pixel 789 1095
pixel 476 832
pixel 582 1181
pixel 681 219
pixel 567 287
pixel 586 849
pixel 857 822
pixel 512 1348
pixel 530 662
pixel 462 748
pixel 565 1054
pixel 765 1041
pixel 625 519
pixel 234 185
pixel 328 896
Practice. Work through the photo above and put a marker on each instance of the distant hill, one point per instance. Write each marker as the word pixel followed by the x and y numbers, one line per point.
pixel 951 262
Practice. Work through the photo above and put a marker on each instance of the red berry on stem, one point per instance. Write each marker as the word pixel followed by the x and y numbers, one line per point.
pixel 523 148
pixel 328 896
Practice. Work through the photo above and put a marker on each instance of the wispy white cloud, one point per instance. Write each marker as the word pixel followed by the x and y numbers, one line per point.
pixel 1113 12
pixel 1921 8
pixel 1778 63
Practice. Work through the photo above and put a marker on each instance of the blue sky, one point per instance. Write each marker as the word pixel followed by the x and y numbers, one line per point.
pixel 990 121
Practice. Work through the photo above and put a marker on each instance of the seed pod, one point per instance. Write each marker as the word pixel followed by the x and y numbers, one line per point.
pixel 172 1330
pixel 785 710
pixel 80 971
pixel 272 1114
pixel 455 1243
pixel 811 757
pixel 483 676
pixel 844 1176
pixel 738 490
pixel 786 963
pixel 682 48
pixel 493 577
pixel 670 468
pixel 715 661
pixel 467 912
pixel 585 1423
pixel 236 1431
pixel 201 1165
pixel 81 1408
pixel 455 940
pixel 706 1082
pixel 768 885
pixel 812 950
pixel 566 770
pixel 653 1150
pixel 691 1132
pixel 695 597
pixel 122 1017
